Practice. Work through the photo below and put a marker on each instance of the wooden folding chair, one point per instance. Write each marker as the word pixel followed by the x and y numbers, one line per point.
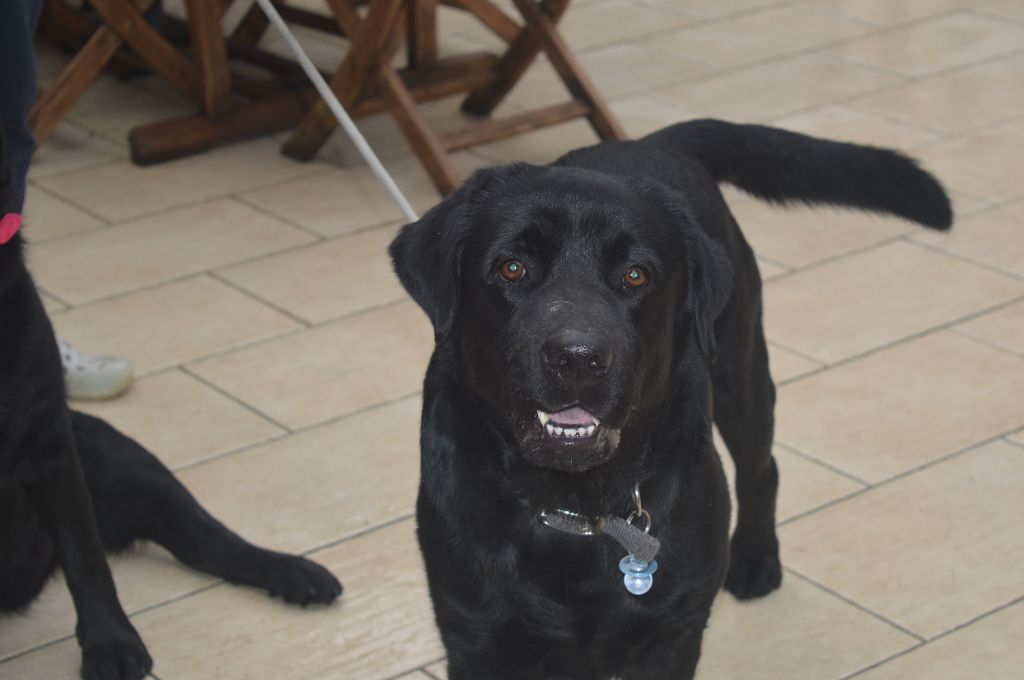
pixel 230 106
pixel 367 68
pixel 234 106
pixel 123 23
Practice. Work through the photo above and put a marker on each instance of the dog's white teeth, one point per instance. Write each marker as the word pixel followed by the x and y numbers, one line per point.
pixel 596 422
pixel 556 430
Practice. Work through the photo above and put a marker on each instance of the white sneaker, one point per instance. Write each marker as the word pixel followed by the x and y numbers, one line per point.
pixel 88 376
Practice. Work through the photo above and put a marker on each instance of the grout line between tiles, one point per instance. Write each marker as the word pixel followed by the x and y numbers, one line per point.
pixel 856 604
pixel 297 431
pixel 421 668
pixel 988 343
pixel 321 240
pixel 965 258
pixel 823 50
pixel 67 305
pixel 121 143
pixel 224 393
pixel 930 641
pixel 188 203
pixel 943 134
pixel 135 612
pixel 428 673
pixel 295 331
pixel 109 222
pixel 806 357
pixel 216 276
pixel 1013 442
pixel 851 104
pixel 915 78
pixel 240 198
pixel 36 186
pixel 772 260
pixel 894 478
pixel 995 17
pixel 359 534
pixel 40 179
pixel 824 506
pixel 217 583
pixel 853 252
pixel 280 436
pixel 214 272
pixel 828 466
pixel 143 288
pixel 899 342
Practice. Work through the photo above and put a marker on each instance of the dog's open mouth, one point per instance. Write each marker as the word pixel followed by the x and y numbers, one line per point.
pixel 569 424
pixel 571 440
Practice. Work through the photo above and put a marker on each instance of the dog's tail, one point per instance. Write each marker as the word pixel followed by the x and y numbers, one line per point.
pixel 783 167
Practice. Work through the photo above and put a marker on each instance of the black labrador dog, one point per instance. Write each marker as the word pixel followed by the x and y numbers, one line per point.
pixel 592 318
pixel 72 486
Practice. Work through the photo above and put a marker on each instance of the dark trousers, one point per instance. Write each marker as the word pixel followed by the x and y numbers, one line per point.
pixel 18 19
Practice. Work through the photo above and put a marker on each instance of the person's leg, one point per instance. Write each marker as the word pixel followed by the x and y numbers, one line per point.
pixel 18 20
pixel 87 376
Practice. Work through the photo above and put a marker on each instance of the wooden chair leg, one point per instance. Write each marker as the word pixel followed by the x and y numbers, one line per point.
pixel 125 17
pixel 204 18
pixel 425 144
pixel 348 81
pixel 491 16
pixel 513 65
pixel 90 59
pixel 346 16
pixel 53 104
pixel 569 69
pixel 251 28
pixel 422 32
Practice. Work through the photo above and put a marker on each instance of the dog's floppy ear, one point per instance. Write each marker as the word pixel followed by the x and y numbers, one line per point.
pixel 427 254
pixel 709 282
pixel 708 270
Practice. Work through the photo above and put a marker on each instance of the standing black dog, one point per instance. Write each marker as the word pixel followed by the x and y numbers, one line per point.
pixel 590 317
pixel 71 485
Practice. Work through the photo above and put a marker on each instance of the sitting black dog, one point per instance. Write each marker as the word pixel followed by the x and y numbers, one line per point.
pixel 71 485
pixel 591 317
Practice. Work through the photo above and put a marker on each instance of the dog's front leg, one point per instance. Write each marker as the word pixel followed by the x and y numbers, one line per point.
pixel 111 649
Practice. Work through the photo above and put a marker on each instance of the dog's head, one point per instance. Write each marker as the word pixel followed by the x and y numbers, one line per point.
pixel 568 297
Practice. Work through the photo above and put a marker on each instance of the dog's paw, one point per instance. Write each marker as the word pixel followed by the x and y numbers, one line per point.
pixel 122 656
pixel 300 581
pixel 751 577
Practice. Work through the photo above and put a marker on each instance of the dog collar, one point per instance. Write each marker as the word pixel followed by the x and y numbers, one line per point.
pixel 9 226
pixel 639 565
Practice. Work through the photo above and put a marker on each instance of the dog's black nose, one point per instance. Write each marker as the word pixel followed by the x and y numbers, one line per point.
pixel 577 357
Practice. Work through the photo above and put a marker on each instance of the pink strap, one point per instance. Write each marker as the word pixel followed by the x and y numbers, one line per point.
pixel 9 226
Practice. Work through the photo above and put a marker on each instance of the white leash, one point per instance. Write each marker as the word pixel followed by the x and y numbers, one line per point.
pixel 339 111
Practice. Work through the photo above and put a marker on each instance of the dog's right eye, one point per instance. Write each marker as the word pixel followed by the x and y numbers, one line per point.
pixel 512 270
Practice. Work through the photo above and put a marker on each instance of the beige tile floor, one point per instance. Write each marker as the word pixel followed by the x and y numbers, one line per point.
pixel 279 362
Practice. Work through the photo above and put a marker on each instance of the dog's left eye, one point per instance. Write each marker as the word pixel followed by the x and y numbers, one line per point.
pixel 512 270
pixel 635 277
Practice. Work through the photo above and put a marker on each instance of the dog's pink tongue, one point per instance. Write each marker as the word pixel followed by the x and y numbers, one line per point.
pixel 573 416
